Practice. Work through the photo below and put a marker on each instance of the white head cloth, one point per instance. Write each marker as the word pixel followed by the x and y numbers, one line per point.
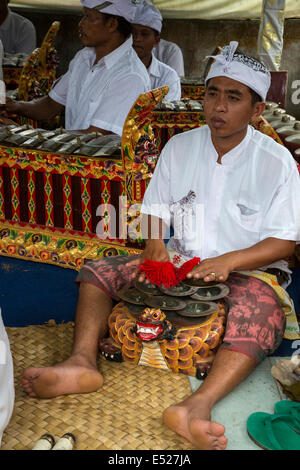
pixel 241 68
pixel 148 15
pixel 124 8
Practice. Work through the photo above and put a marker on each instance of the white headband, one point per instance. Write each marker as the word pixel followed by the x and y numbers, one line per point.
pixel 241 68
pixel 124 8
pixel 148 15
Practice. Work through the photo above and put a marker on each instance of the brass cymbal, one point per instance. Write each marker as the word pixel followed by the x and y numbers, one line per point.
pixel 209 293
pixel 198 309
pixel 133 296
pixel 198 282
pixel 165 302
pixel 181 290
pixel 149 289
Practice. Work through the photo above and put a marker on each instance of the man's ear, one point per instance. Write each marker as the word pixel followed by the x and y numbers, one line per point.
pixel 258 109
pixel 157 39
pixel 113 24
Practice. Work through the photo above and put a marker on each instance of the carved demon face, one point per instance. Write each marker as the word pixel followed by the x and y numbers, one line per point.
pixel 151 324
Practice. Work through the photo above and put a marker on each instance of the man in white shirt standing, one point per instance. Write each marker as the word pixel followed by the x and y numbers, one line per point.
pixel 247 187
pixel 103 80
pixel 16 32
pixel 146 30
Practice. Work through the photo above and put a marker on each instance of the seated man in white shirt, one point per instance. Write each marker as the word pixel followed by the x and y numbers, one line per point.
pixel 169 53
pixel 16 32
pixel 247 189
pixel 146 30
pixel 104 79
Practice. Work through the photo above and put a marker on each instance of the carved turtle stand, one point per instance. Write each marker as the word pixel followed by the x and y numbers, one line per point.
pixel 145 335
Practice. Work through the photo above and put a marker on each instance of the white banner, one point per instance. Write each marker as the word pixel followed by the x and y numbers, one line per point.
pixel 185 9
pixel 270 35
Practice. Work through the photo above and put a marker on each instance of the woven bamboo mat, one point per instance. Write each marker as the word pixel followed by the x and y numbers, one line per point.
pixel 126 414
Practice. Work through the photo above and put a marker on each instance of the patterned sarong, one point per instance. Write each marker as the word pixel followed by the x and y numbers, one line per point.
pixel 255 322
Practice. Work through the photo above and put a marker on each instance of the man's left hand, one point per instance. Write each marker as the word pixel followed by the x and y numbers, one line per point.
pixel 212 269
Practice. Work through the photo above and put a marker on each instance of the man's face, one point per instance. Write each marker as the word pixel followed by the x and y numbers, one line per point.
pixel 144 39
pixel 228 107
pixel 93 29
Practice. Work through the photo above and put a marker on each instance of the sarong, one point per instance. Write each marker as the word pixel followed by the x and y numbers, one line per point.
pixel 255 320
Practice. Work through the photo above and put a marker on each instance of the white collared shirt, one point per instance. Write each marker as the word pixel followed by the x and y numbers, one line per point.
pixel 170 53
pixel 101 95
pixel 161 75
pixel 254 194
pixel 7 389
pixel 17 34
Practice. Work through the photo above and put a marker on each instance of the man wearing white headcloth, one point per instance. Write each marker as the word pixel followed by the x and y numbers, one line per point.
pixel 146 30
pixel 239 191
pixel 103 80
pixel 169 53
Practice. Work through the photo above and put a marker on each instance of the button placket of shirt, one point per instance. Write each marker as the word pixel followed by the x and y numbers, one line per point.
pixel 213 207
pixel 89 80
pixel 85 92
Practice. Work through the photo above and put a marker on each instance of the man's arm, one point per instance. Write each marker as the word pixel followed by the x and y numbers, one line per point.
pixel 40 109
pixel 261 254
pixel 93 129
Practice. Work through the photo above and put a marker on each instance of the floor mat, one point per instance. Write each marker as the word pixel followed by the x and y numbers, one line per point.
pixel 126 414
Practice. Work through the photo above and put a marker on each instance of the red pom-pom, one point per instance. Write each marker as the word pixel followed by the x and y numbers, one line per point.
pixel 186 267
pixel 159 273
pixel 165 273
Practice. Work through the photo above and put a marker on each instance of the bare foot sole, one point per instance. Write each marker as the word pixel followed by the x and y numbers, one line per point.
pixel 61 379
pixel 200 431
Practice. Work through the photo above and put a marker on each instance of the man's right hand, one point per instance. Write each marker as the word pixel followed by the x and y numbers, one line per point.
pixel 10 107
pixel 155 251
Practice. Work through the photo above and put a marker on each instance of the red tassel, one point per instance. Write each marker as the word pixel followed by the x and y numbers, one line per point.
pixel 159 273
pixel 186 267
pixel 165 273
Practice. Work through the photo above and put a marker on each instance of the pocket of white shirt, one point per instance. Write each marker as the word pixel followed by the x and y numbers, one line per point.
pixel 249 216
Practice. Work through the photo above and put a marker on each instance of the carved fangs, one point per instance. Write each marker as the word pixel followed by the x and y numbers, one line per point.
pixel 148 331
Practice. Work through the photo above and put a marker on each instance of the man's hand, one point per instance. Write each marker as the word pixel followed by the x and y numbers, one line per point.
pixel 11 107
pixel 6 122
pixel 3 110
pixel 261 254
pixel 155 251
pixel 39 109
pixel 213 269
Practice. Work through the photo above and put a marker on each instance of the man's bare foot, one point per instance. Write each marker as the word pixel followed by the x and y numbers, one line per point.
pixel 191 419
pixel 75 375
